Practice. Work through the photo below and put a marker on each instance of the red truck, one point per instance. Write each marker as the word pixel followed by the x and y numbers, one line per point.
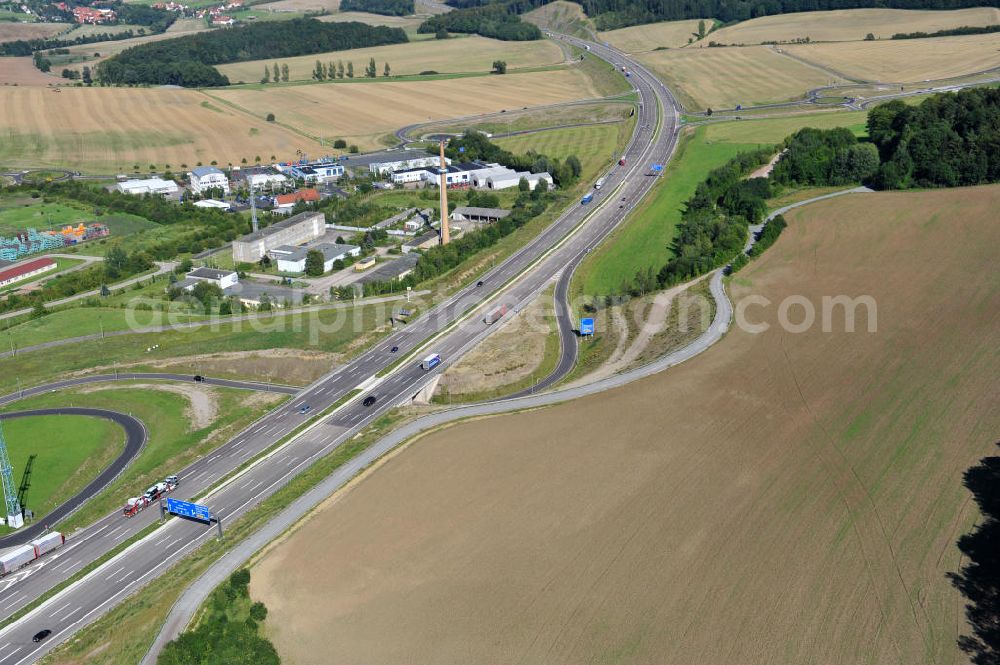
pixel 495 315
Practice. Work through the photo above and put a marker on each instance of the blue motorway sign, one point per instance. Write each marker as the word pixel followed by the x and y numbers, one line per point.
pixel 586 326
pixel 188 509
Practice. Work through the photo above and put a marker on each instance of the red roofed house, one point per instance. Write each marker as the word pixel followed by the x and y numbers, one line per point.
pixel 91 15
pixel 25 270
pixel 285 202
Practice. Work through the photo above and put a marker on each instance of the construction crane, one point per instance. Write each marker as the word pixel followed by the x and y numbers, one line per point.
pixel 11 503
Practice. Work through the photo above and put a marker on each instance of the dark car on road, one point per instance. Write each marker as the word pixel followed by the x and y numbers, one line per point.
pixel 369 400
pixel 199 377
pixel 305 408
pixel 41 635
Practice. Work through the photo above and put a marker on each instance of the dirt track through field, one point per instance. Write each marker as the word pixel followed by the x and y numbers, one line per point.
pixel 786 497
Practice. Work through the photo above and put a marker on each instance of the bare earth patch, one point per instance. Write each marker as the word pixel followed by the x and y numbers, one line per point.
pixel 784 498
pixel 203 401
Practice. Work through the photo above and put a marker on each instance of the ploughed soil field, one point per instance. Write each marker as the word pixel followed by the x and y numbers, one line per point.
pixel 786 497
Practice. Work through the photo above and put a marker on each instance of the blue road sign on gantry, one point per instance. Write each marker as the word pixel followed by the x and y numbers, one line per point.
pixel 586 326
pixel 187 509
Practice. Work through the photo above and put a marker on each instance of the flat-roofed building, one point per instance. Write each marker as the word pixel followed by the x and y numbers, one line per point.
pixel 296 230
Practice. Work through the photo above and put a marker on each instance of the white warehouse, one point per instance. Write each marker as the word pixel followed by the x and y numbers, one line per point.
pixel 148 186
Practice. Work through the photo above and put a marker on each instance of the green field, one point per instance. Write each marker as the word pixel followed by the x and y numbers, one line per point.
pixel 22 213
pixel 69 452
pixel 596 146
pixel 172 442
pixel 645 239
pixel 331 330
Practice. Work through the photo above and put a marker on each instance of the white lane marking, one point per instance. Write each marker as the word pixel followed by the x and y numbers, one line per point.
pixel 115 572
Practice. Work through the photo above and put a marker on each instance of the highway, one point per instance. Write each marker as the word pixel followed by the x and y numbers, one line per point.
pixel 535 266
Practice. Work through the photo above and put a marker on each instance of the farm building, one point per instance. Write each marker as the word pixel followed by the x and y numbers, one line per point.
pixel 204 178
pixel 392 270
pixel 409 160
pixel 26 270
pixel 148 186
pixel 474 214
pixel 293 259
pixel 295 230
pixel 320 171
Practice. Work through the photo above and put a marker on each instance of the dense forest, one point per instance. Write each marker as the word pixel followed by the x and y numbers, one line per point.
pixel 817 157
pixel 946 141
pixel 610 14
pixel 496 20
pixel 384 7
pixel 188 60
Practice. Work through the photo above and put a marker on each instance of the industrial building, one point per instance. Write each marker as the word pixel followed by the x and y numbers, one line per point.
pixel 296 230
pixel 26 270
pixel 320 171
pixel 406 161
pixel 482 215
pixel 204 178
pixel 293 259
pixel 221 278
pixel 253 294
pixel 260 181
pixel 513 179
pixel 148 186
pixel 396 269
pixel 423 241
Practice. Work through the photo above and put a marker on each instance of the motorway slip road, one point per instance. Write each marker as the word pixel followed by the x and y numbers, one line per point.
pixel 87 599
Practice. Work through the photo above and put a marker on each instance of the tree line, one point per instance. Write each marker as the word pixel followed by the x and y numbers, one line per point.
pixel 188 60
pixel 610 14
pixel 951 32
pixel 228 631
pixel 979 578
pixel 384 7
pixel 495 20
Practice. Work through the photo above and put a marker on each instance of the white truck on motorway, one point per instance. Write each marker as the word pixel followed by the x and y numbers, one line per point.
pixel 430 362
pixel 599 183
pixel 20 557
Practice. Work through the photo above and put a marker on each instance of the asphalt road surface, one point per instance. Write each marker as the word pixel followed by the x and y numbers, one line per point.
pixel 518 279
pixel 135 439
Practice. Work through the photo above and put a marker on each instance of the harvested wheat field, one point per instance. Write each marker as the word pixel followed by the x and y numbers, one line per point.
pixel 784 498
pixel 11 32
pixel 905 60
pixel 851 24
pixel 302 6
pixel 642 38
pixel 724 77
pixel 110 129
pixel 407 23
pixel 468 54
pixel 365 111
pixel 22 71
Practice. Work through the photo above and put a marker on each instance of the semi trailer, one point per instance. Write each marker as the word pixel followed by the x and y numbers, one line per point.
pixel 20 557
pixel 495 315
